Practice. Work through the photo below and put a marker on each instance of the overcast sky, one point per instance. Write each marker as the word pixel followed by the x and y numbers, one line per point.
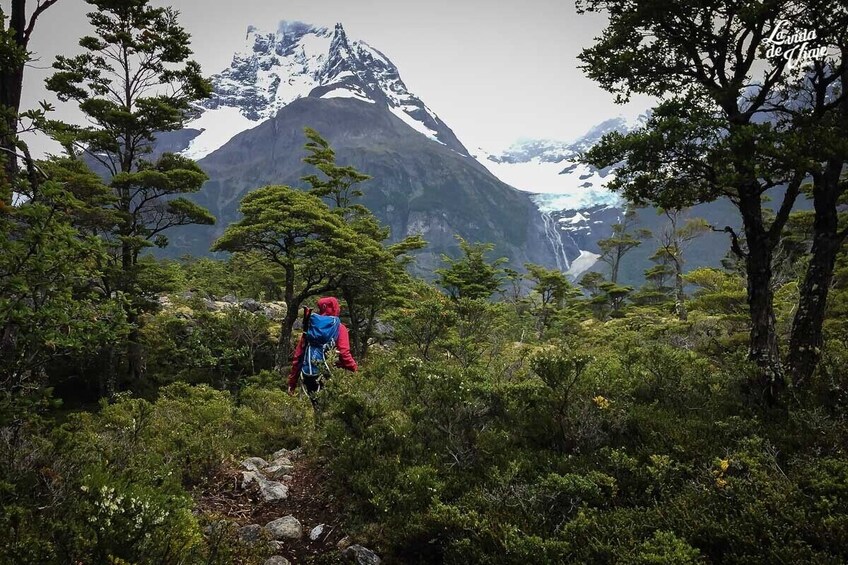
pixel 493 71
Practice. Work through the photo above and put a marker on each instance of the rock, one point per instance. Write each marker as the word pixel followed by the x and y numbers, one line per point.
pixel 276 560
pixel 361 555
pixel 278 471
pixel 250 533
pixel 229 299
pixel 287 478
pixel 277 545
pixel 316 532
pixel 343 543
pixel 254 463
pixel 272 490
pixel 287 527
pixel 248 477
pixel 251 305
pixel 290 454
pixel 274 310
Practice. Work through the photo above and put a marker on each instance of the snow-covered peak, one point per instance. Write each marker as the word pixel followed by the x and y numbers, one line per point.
pixel 275 68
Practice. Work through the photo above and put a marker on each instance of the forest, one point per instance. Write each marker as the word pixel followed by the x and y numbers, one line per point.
pixel 501 413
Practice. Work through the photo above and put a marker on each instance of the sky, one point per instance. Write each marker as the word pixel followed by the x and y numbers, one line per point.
pixel 494 71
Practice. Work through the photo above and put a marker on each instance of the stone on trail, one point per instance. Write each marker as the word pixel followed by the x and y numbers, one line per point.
pixel 250 533
pixel 276 560
pixel 272 490
pixel 316 532
pixel 287 527
pixel 343 543
pixel 254 463
pixel 362 555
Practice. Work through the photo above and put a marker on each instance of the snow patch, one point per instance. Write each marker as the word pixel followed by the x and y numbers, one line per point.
pixel 218 127
pixel 582 263
pixel 414 124
pixel 346 93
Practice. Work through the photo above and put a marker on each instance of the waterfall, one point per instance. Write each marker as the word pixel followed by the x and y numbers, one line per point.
pixel 555 238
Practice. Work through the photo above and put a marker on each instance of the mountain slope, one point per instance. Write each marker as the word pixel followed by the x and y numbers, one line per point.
pixel 419 186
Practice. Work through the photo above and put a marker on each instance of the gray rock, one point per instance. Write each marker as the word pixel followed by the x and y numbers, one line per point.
pixel 272 490
pixel 290 454
pixel 254 463
pixel 287 478
pixel 248 477
pixel 251 305
pixel 278 472
pixel 250 533
pixel 362 555
pixel 229 299
pixel 287 527
pixel 316 532
pixel 276 560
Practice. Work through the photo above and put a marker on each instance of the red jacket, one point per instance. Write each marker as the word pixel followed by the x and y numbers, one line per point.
pixel 328 306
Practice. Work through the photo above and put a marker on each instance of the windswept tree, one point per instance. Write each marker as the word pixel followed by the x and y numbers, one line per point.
pixel 298 232
pixel 134 80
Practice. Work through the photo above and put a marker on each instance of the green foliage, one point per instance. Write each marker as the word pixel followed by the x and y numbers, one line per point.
pixel 471 276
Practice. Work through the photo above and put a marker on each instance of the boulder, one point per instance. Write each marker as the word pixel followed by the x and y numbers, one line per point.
pixel 287 527
pixel 250 533
pixel 361 555
pixel 229 299
pixel 254 463
pixel 274 310
pixel 276 560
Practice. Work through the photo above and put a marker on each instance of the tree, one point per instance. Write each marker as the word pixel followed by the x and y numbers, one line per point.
pixel 374 279
pixel 471 276
pixel 819 105
pixel 621 242
pixel 703 141
pixel 133 81
pixel 551 289
pixel 14 40
pixel 674 239
pixel 298 232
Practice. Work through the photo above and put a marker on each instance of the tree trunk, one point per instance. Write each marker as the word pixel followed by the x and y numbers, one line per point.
pixel 806 340
pixel 284 348
pixel 763 349
pixel 679 294
pixel 11 84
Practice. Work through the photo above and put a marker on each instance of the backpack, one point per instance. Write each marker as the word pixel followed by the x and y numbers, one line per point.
pixel 321 335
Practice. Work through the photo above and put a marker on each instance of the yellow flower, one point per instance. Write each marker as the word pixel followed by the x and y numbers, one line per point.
pixel 723 465
pixel 601 402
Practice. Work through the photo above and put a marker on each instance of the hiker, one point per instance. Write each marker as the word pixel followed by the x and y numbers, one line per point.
pixel 321 333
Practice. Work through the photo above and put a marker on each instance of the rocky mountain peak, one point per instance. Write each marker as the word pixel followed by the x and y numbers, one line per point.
pixel 296 60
